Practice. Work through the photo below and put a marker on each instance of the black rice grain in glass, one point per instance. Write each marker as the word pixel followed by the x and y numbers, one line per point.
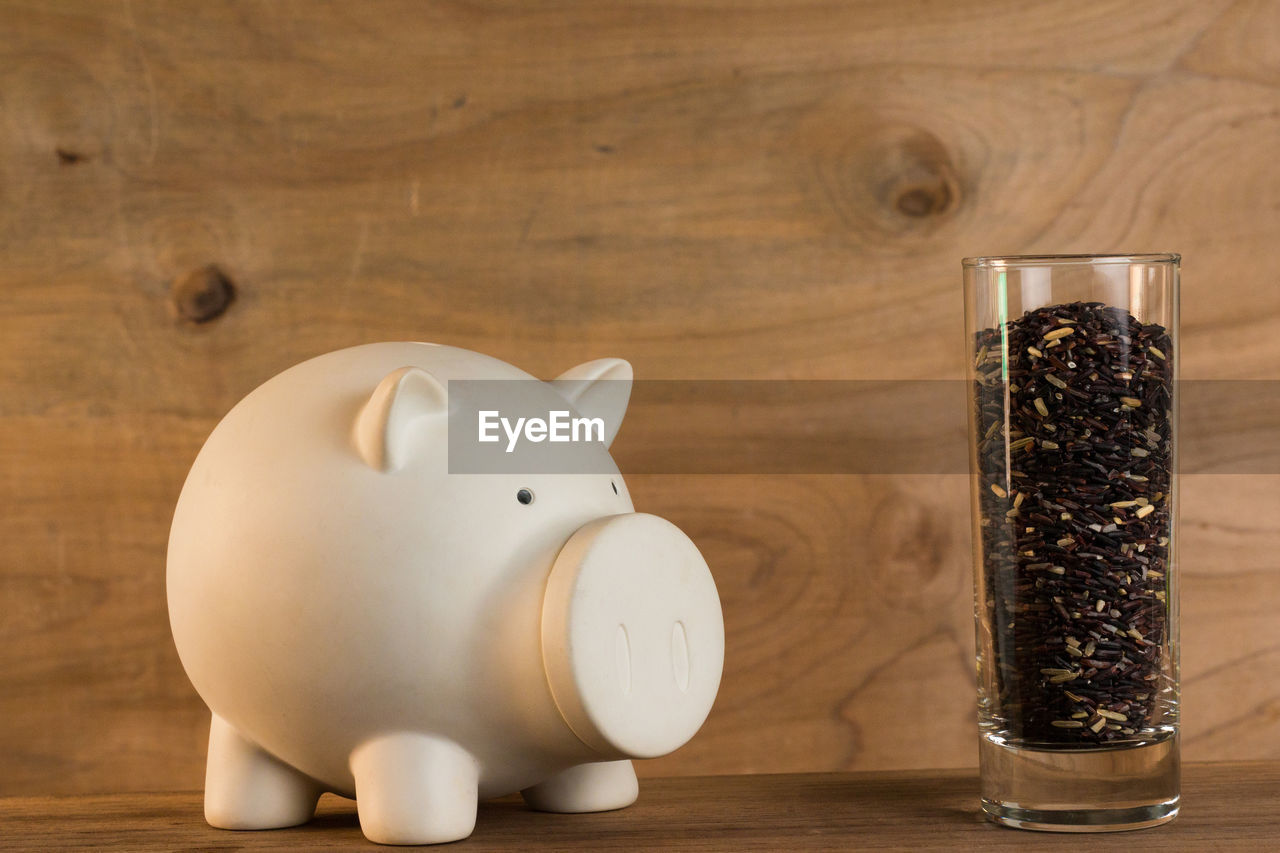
pixel 1073 434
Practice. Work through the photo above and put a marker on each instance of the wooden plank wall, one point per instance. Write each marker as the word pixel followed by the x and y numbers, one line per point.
pixel 713 190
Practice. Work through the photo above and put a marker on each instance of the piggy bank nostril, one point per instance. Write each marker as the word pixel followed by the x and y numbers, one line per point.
pixel 680 656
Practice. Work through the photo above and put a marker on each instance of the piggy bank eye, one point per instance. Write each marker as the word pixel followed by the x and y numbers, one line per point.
pixel 524 496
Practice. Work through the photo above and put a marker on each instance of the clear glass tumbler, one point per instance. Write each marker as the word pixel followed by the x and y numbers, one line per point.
pixel 1073 455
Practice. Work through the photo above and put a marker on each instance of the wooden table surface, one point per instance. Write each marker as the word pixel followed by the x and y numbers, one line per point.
pixel 1226 806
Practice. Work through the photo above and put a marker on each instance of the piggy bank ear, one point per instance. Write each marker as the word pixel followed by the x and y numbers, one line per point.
pixel 598 389
pixel 397 407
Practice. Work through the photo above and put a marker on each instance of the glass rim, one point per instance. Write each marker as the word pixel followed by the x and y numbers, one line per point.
pixel 1050 260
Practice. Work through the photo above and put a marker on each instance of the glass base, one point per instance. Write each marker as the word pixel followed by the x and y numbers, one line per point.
pixel 1081 790
pixel 1081 820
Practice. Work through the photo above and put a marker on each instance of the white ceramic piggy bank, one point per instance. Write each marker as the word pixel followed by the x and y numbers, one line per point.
pixel 360 620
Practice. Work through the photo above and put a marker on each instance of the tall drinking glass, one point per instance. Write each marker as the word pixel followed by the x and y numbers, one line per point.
pixel 1073 456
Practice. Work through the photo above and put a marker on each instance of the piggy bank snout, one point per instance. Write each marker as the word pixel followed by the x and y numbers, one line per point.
pixel 632 635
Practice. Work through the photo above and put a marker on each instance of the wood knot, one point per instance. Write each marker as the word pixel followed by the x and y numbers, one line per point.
pixel 892 179
pixel 919 180
pixel 911 556
pixel 202 295
pixel 69 157
pixel 924 200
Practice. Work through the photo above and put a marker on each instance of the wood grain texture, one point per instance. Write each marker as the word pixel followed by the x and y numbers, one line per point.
pixel 1225 807
pixel 752 190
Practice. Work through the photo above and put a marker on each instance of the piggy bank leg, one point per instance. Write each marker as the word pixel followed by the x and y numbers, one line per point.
pixel 597 787
pixel 247 788
pixel 415 789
